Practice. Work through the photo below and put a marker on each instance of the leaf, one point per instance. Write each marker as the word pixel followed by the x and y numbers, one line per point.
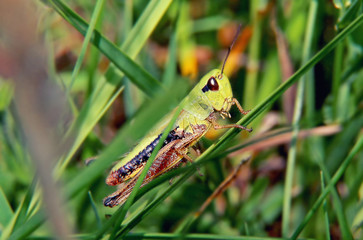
pixel 5 210
pixel 6 94
pixel 349 15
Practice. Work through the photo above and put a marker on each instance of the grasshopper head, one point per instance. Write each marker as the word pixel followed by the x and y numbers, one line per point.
pixel 213 93
pixel 217 89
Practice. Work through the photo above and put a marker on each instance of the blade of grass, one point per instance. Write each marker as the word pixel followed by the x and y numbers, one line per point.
pixel 185 225
pixel 338 174
pixel 254 56
pixel 196 236
pixel 25 207
pixel 345 15
pixel 21 215
pixel 31 225
pixel 144 26
pixel 316 149
pixel 144 172
pixel 131 96
pixel 315 145
pixel 326 217
pixel 7 230
pixel 310 85
pixel 144 212
pixel 299 101
pixel 91 27
pixel 291 159
pixel 344 140
pixel 170 72
pixel 6 94
pixel 93 60
pixel 5 209
pixel 94 208
pixel 169 75
pixel 338 61
pixel 207 24
pixel 120 58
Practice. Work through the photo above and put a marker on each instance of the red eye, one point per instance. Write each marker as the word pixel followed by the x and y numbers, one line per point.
pixel 213 84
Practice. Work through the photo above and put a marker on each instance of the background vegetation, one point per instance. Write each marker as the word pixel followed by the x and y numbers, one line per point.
pixel 104 72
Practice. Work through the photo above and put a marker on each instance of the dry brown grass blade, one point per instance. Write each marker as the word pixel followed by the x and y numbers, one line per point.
pixel 222 187
pixel 287 68
pixel 286 138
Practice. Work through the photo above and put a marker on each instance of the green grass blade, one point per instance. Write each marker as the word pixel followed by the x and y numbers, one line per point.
pixel 169 75
pixel 144 26
pixel 250 91
pixel 209 24
pixel 144 172
pixel 22 214
pixel 94 208
pixel 198 236
pixel 326 216
pixel 291 160
pixel 144 212
pixel 31 225
pixel 5 209
pixel 299 102
pixel 94 20
pixel 132 96
pixel 338 174
pixel 6 232
pixel 122 60
pixel 310 43
pixel 6 94
pixel 338 65
pixel 315 147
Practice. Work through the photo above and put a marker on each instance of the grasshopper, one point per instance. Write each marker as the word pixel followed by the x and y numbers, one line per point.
pixel 168 158
pixel 211 97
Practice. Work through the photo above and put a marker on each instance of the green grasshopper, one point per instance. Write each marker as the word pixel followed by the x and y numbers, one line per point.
pixel 168 158
pixel 211 97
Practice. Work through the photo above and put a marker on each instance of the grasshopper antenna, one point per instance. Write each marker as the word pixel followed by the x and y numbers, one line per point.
pixel 230 48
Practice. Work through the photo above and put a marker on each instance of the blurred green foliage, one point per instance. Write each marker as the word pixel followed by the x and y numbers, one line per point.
pixel 145 54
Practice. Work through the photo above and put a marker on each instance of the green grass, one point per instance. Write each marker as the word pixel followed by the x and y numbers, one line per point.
pixel 127 76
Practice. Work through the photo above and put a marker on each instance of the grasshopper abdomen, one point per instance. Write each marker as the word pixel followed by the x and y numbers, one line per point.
pixel 122 174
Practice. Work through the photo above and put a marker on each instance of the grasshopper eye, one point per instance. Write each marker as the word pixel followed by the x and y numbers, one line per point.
pixel 212 85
